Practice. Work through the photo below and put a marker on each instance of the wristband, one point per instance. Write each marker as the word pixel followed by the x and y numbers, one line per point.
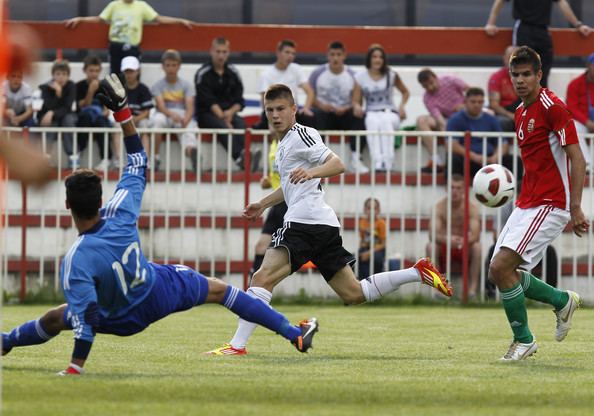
pixel 123 116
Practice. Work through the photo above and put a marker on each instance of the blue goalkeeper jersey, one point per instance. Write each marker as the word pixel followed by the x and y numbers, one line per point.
pixel 105 264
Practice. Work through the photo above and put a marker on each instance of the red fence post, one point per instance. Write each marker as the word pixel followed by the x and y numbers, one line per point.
pixel 466 226
pixel 247 164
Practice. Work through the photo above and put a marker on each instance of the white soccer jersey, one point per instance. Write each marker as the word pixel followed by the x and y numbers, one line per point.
pixel 303 147
pixel 331 88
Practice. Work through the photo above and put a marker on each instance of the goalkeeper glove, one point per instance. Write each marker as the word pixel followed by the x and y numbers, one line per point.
pixel 113 95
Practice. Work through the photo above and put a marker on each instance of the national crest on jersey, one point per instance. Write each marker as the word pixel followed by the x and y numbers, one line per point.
pixel 302 147
pixel 543 128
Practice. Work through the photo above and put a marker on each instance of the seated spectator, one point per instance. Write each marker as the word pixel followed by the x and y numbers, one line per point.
pixel 333 85
pixel 175 105
pixel 580 101
pixel 126 19
pixel 440 238
pixel 140 101
pixel 376 85
pixel 58 96
pixel 503 99
pixel 285 71
pixel 18 109
pixel 443 97
pixel 91 113
pixel 367 246
pixel 472 118
pixel 219 99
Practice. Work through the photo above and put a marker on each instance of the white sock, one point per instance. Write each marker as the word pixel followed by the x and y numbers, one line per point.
pixel 380 284
pixel 245 328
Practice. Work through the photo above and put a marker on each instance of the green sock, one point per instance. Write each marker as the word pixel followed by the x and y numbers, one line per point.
pixel 536 289
pixel 515 309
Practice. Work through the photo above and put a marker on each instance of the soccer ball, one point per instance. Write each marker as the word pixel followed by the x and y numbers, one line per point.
pixel 493 185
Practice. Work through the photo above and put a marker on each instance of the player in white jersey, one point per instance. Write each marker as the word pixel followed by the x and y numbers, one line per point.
pixel 311 230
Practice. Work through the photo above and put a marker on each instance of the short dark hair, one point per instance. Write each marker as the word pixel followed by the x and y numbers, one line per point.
pixel 369 200
pixel 171 55
pixel 220 40
pixel 526 55
pixel 83 193
pixel 376 47
pixel 91 60
pixel 336 45
pixel 472 91
pixel 456 177
pixel 424 75
pixel 284 43
pixel 276 91
pixel 61 65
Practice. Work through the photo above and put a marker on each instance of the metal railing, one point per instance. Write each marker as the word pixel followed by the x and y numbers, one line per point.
pixel 194 217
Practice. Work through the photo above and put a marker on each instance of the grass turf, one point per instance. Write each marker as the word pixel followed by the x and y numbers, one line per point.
pixel 367 360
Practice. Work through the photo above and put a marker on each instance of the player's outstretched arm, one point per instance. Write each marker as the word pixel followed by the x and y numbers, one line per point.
pixel 255 209
pixel 113 96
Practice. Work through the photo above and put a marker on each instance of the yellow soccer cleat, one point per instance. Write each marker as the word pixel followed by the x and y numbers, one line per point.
pixel 227 349
pixel 432 277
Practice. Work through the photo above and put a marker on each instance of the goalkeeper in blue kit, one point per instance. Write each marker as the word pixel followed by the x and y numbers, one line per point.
pixel 109 285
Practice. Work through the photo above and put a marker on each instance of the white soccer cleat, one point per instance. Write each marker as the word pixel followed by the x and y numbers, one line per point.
pixel 519 351
pixel 565 314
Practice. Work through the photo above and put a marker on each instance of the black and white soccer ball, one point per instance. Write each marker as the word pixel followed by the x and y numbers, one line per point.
pixel 494 185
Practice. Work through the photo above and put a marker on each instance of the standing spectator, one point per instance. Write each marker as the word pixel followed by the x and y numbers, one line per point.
pixel 580 101
pixel 472 118
pixel 456 240
pixel 531 27
pixel 91 113
pixel 376 85
pixel 367 245
pixel 333 85
pixel 18 110
pixel 140 101
pixel 443 97
pixel 285 71
pixel 126 18
pixel 503 100
pixel 175 104
pixel 219 97
pixel 58 96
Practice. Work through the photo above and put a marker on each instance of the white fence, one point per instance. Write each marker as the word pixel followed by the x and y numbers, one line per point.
pixel 195 217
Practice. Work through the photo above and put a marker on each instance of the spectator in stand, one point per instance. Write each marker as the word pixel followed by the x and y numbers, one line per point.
pixel 580 101
pixel 472 118
pixel 175 105
pixel 376 85
pixel 443 97
pixel 440 238
pixel 219 99
pixel 18 110
pixel 503 99
pixel 285 71
pixel 532 18
pixel 333 85
pixel 91 113
pixel 126 18
pixel 140 102
pixel 369 244
pixel 58 96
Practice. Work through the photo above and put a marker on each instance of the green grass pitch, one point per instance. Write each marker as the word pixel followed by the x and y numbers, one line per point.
pixel 385 360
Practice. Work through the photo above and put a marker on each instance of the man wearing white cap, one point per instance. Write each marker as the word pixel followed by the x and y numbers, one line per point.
pixel 140 101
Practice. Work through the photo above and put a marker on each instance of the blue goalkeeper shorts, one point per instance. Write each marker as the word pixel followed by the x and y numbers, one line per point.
pixel 177 288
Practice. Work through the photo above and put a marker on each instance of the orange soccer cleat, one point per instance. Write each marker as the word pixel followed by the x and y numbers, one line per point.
pixel 432 277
